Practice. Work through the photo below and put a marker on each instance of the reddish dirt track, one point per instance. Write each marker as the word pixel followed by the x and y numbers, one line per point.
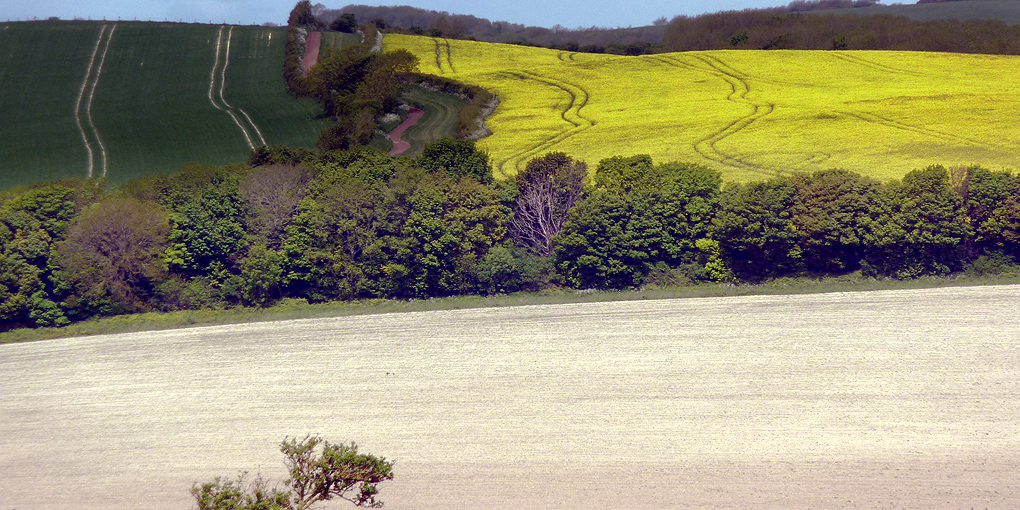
pixel 400 146
pixel 311 50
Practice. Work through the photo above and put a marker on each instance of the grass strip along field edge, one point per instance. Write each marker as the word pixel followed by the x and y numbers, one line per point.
pixel 291 309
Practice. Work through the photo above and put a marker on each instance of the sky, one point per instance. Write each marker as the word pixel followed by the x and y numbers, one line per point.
pixel 545 13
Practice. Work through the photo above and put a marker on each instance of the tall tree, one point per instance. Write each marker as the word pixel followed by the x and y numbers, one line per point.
pixel 114 251
pixel 273 193
pixel 993 207
pixel 930 214
pixel 458 157
pixel 548 188
pixel 839 217
pixel 754 227
pixel 640 217
pixel 31 222
pixel 432 231
pixel 207 234
pixel 302 16
pixel 347 22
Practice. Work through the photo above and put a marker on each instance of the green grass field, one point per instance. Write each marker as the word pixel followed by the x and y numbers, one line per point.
pixel 750 114
pixel 440 120
pixel 142 97
pixel 339 40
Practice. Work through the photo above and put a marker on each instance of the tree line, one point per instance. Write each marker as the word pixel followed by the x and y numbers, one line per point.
pixel 352 224
pixel 765 30
pixel 802 24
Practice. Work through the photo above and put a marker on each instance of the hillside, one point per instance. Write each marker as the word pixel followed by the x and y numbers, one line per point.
pixel 465 26
pixel 1007 11
pixel 636 40
pixel 127 99
pixel 750 114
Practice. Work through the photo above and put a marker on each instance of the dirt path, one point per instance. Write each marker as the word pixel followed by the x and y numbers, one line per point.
pixel 893 399
pixel 400 146
pixel 311 50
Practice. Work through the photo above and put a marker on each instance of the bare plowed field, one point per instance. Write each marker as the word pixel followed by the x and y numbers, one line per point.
pixel 893 399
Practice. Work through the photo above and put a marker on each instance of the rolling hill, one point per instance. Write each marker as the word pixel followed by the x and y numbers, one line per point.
pixel 125 99
pixel 750 114
pixel 1007 11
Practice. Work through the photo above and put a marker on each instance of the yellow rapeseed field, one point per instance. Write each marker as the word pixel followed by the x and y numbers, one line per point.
pixel 749 114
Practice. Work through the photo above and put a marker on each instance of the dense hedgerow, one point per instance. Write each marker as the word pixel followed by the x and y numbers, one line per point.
pixel 360 224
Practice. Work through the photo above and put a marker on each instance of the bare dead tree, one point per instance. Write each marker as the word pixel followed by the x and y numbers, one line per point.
pixel 549 187
pixel 273 191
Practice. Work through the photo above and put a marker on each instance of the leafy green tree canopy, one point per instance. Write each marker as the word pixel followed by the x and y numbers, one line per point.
pixel 754 227
pixel 345 23
pixel 458 157
pixel 319 471
pixel 301 16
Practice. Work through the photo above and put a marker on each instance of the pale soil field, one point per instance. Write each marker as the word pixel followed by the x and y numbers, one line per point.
pixel 889 399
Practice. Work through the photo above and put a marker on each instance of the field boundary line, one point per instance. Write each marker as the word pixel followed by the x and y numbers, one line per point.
pixel 887 122
pixel 223 78
pixel 91 87
pixel 436 113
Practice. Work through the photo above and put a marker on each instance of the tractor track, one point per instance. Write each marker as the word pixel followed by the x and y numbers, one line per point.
pixel 578 99
pixel 707 147
pixel 90 83
pixel 853 59
pixel 219 100
pixel 443 50
pixel 887 122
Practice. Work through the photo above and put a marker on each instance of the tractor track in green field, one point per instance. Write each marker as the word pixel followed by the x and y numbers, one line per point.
pixel 148 105
pixel 578 99
pixel 219 100
pixel 707 147
pixel 90 83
